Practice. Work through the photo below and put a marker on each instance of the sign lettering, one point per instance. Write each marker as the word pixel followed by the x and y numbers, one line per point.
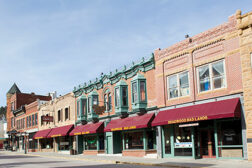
pixel 192 119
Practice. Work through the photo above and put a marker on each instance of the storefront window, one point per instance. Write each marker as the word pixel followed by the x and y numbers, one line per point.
pixel 64 142
pixel 90 142
pixel 33 143
pixel 182 141
pixel 230 139
pixel 46 143
pixel 133 140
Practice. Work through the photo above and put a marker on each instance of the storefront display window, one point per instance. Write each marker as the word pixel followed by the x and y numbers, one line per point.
pixel 90 142
pixel 230 139
pixel 64 142
pixel 133 140
pixel 46 143
pixel 182 141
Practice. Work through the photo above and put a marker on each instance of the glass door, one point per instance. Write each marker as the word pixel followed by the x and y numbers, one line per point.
pixel 167 141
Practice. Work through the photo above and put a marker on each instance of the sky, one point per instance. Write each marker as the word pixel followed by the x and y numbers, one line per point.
pixel 54 45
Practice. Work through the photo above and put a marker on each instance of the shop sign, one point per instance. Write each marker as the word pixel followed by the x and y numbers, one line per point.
pixel 123 128
pixel 64 143
pixel 99 110
pixel 191 119
pixel 87 132
pixel 189 125
pixel 47 118
pixel 183 144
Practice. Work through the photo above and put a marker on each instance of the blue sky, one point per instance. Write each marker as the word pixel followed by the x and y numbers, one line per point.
pixel 54 45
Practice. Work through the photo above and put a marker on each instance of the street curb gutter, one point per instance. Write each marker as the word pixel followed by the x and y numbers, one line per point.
pixel 108 161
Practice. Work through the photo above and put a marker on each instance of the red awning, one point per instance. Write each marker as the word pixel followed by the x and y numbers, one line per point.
pixel 60 131
pixel 206 111
pixel 88 129
pixel 128 123
pixel 42 134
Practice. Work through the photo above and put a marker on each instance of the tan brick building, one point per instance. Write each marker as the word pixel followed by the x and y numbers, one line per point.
pixel 62 112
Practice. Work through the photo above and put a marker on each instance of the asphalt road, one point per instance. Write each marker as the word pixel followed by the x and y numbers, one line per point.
pixel 12 161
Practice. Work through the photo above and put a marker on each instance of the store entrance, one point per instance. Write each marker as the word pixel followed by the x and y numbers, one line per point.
pixel 207 145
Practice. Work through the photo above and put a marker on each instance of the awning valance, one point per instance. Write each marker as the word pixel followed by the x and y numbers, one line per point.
pixel 88 129
pixel 42 134
pixel 206 111
pixel 60 131
pixel 128 123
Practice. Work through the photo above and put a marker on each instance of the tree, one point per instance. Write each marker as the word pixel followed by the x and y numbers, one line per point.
pixel 3 110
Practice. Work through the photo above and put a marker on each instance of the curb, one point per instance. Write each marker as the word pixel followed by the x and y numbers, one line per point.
pixel 104 161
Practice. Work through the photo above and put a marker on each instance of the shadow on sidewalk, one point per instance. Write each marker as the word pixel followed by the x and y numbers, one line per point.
pixel 22 164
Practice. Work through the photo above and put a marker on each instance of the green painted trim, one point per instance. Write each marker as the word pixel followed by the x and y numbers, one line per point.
pixel 193 146
pixel 144 140
pixel 97 142
pixel 216 140
pixel 230 146
pixel 123 140
pixel 126 73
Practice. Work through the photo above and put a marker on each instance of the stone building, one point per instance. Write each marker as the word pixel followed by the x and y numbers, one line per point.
pixel 56 120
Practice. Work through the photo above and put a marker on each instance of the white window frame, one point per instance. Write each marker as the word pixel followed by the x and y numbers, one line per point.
pixel 211 76
pixel 178 85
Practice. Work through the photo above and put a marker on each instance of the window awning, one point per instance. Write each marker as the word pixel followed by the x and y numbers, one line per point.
pixel 42 134
pixel 88 129
pixel 128 123
pixel 206 111
pixel 60 131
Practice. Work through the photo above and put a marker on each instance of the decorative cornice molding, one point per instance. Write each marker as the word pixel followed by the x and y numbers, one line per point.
pixel 112 78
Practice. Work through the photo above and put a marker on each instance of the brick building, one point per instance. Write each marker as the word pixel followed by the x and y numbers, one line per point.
pixel 22 117
pixel 127 101
pixel 56 120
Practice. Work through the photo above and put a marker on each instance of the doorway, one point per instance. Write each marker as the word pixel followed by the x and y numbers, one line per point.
pixel 207 143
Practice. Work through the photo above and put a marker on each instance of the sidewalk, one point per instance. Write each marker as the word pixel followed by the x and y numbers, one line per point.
pixel 166 162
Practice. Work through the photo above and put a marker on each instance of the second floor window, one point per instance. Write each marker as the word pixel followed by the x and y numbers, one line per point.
pixel 59 115
pixel 36 119
pixel 211 76
pixel 117 97
pixel 66 114
pixel 134 92
pixel 89 104
pixel 178 85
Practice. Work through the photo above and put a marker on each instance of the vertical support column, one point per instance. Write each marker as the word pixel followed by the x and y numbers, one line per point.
pixel 123 141
pixel 216 140
pixel 144 140
pixel 97 142
pixel 171 129
pixel 77 144
pixel 243 131
pixel 54 145
pixel 193 146
pixel 159 141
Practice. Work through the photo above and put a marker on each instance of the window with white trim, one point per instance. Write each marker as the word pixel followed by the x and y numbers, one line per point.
pixel 211 76
pixel 178 85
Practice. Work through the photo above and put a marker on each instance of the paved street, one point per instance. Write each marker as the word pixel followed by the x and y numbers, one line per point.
pixel 17 160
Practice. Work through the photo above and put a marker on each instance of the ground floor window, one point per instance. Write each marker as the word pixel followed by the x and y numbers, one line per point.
pixel 64 142
pixel 134 140
pixel 151 139
pixel 33 144
pixel 90 142
pixel 230 138
pixel 182 141
pixel 46 143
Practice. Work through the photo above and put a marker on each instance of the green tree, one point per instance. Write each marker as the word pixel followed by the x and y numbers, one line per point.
pixel 3 110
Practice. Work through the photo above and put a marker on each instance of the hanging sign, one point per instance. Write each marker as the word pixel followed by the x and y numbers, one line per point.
pixel 47 118
pixel 99 110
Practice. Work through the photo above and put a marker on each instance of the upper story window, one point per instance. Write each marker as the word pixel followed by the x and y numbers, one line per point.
pixel 134 92
pixel 107 100
pixel 121 97
pixel 33 120
pixel 66 113
pixel 139 93
pixel 93 99
pixel 211 76
pixel 82 108
pixel 30 121
pixel 12 106
pixel 36 119
pixel 178 85
pixel 59 115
